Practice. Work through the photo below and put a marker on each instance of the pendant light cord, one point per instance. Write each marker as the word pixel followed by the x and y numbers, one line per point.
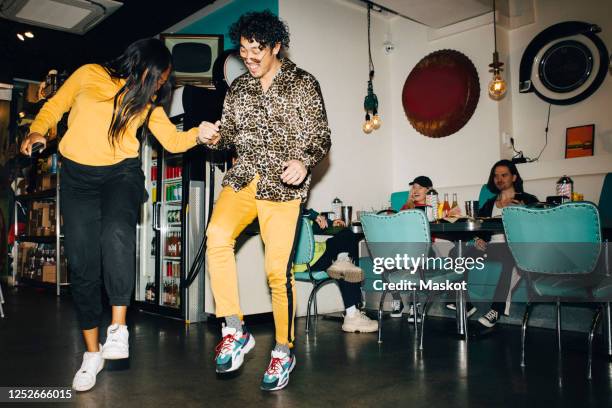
pixel 494 27
pixel 369 43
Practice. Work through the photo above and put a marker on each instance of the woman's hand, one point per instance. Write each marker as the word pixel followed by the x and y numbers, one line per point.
pixel 455 212
pixel 30 140
pixel 339 223
pixel 480 244
pixel 322 221
pixel 208 133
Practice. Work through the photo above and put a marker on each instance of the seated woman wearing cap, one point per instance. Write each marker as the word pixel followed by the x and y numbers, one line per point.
pixel 419 188
pixel 418 193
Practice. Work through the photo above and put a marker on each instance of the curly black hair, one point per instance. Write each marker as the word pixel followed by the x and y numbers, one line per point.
pixel 261 26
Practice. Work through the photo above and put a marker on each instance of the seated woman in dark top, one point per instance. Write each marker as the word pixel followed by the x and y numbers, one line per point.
pixel 341 268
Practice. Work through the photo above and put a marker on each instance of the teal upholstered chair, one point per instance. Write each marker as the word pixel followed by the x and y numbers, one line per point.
pixel 398 199
pixel 605 200
pixel 405 233
pixel 484 196
pixel 557 250
pixel 304 254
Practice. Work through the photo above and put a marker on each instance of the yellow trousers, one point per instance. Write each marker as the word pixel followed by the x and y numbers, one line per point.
pixel 278 223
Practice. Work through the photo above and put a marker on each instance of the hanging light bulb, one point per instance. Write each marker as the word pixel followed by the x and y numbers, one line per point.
pixel 497 86
pixel 20 36
pixel 376 122
pixel 28 34
pixel 368 126
pixel 370 103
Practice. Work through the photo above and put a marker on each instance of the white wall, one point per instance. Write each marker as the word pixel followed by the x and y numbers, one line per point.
pixel 461 162
pixel 329 40
pixel 459 159
pixel 529 112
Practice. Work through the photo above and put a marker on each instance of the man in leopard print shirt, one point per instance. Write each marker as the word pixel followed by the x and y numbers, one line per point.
pixel 275 118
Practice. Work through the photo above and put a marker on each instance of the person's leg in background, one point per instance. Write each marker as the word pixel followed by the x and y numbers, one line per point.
pixel 279 224
pixel 81 213
pixel 468 251
pixel 345 241
pixel 499 252
pixel 233 211
pixel 354 319
pixel 121 194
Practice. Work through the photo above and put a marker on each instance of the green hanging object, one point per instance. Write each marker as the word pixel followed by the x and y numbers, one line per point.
pixel 370 103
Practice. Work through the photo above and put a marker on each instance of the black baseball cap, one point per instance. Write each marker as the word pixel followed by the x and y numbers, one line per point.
pixel 422 181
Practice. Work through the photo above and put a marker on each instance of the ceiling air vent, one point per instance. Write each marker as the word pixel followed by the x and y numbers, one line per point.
pixel 74 16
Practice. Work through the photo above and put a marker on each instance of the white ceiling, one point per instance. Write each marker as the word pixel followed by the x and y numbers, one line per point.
pixel 439 13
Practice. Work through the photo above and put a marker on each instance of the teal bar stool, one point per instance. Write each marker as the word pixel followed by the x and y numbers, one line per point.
pixel 304 254
pixel 557 250
pixel 405 234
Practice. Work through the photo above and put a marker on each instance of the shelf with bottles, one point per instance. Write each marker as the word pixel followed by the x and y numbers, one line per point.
pixel 173 217
pixel 37 262
pixel 173 193
pixel 171 283
pixel 150 290
pixel 173 173
pixel 37 179
pixel 172 247
pixel 40 219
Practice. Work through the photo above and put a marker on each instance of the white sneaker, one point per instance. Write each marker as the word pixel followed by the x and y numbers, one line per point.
pixel 85 378
pixel 397 308
pixel 116 346
pixel 411 313
pixel 359 322
pixel 347 270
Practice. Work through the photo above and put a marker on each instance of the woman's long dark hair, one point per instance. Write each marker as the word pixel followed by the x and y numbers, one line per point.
pixel 141 65
pixel 518 183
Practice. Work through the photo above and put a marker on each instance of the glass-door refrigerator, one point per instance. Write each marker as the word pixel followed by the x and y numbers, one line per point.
pixel 170 232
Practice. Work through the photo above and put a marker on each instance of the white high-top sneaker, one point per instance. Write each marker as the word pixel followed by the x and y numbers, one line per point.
pixel 116 346
pixel 85 378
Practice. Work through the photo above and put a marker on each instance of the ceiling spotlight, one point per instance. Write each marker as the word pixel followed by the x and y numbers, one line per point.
pixel 29 34
pixel 20 36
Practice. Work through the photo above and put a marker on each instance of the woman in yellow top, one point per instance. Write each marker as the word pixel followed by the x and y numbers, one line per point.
pixel 102 183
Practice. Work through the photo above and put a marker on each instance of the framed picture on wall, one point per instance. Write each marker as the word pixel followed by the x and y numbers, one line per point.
pixel 193 56
pixel 579 141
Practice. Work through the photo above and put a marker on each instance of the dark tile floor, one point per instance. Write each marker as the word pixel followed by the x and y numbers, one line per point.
pixel 171 365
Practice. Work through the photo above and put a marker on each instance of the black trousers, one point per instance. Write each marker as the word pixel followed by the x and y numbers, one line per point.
pixel 343 241
pixel 100 206
pixel 496 252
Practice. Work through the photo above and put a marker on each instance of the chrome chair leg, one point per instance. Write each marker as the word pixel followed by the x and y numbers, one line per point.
pixel 424 315
pixel 464 314
pixel 380 314
pixel 1 302
pixel 559 355
pixel 316 310
pixel 559 326
pixel 415 314
pixel 310 298
pixel 524 331
pixel 594 325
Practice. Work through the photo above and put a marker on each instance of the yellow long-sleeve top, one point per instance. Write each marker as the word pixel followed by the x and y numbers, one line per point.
pixel 88 94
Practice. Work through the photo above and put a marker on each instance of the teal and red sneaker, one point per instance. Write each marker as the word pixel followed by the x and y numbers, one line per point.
pixel 276 376
pixel 230 352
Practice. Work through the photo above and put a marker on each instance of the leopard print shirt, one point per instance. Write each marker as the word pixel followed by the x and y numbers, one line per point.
pixel 286 122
